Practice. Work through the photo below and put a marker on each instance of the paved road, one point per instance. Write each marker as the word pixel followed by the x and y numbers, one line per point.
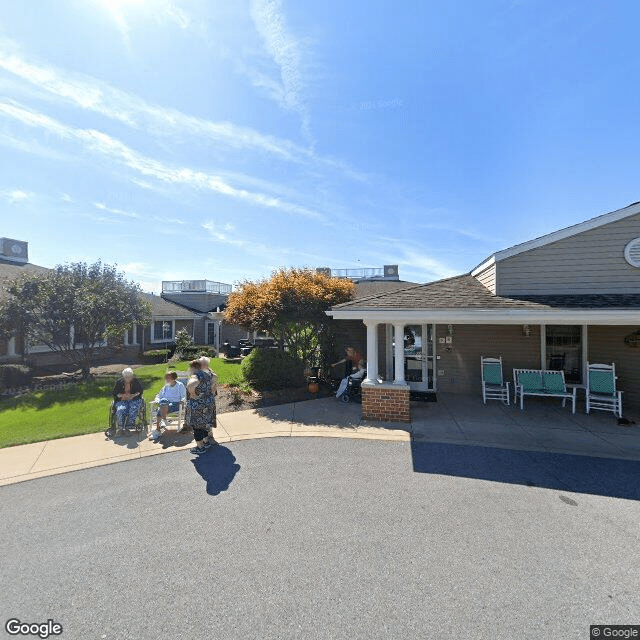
pixel 320 538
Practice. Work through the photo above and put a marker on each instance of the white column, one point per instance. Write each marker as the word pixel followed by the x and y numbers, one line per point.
pixel 134 334
pixel 11 347
pixel 372 352
pixel 399 353
pixel 388 356
pixel 126 338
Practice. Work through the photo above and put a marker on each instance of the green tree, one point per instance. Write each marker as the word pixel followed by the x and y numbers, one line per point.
pixel 290 306
pixel 73 309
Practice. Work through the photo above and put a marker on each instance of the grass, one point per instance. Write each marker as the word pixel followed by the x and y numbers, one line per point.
pixel 84 407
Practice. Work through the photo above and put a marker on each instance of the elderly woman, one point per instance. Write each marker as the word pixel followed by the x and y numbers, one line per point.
pixel 127 396
pixel 205 365
pixel 200 404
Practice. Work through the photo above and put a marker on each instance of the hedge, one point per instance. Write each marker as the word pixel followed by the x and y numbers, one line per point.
pixel 15 375
pixel 155 356
pixel 272 369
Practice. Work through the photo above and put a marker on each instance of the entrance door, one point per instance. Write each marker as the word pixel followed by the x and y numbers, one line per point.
pixel 419 357
pixel 211 333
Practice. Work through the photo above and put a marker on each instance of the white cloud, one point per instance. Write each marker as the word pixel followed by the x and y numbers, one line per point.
pixel 14 196
pixel 100 97
pixel 287 53
pixel 103 144
pixel 65 197
pixel 103 207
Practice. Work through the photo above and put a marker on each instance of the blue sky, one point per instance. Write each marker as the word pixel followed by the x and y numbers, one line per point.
pixel 197 138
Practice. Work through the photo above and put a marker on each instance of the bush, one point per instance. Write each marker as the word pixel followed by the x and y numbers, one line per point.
pixel 15 375
pixel 195 351
pixel 184 343
pixel 272 369
pixel 155 356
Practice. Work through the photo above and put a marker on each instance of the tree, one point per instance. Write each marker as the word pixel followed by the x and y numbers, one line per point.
pixel 290 306
pixel 73 309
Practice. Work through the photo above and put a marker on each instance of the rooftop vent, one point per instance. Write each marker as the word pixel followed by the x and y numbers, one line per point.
pixel 632 253
pixel 14 250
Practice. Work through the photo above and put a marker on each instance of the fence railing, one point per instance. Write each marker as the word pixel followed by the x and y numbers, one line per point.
pixel 195 286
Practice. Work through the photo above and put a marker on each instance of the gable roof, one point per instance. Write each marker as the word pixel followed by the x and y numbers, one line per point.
pixel 465 292
pixel 161 308
pixel 561 234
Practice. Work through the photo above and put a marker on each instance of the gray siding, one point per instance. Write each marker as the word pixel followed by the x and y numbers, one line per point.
pixel 488 278
pixel 592 261
pixel 461 365
pixel 606 345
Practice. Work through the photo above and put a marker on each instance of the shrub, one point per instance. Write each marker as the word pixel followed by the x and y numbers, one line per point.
pixel 155 356
pixel 184 343
pixel 15 375
pixel 194 351
pixel 272 369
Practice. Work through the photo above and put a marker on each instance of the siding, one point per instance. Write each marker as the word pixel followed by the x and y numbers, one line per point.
pixel 488 277
pixel 592 261
pixel 606 345
pixel 231 333
pixel 461 365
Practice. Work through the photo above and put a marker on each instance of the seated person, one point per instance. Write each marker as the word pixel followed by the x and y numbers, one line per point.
pixel 168 399
pixel 351 360
pixel 127 396
pixel 357 375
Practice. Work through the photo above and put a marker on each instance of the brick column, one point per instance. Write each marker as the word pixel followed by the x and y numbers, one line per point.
pixel 388 402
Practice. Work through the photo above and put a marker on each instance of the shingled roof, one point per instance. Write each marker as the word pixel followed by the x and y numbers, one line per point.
pixel 161 308
pixel 465 292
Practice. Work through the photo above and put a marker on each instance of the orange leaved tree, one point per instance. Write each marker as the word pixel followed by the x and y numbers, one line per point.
pixel 290 306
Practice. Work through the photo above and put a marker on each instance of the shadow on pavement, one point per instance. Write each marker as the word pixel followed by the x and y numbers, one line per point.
pixel 579 474
pixel 217 467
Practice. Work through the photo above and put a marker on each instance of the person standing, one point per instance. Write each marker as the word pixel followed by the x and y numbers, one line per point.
pixel 127 396
pixel 205 365
pixel 200 405
pixel 352 360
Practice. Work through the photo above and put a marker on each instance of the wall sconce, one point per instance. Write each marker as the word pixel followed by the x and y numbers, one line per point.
pixel 526 330
pixel 450 329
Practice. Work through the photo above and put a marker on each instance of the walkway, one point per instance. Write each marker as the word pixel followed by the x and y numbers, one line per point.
pixel 543 426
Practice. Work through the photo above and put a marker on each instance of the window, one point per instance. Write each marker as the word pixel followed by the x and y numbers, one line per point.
pixel 564 351
pixel 162 330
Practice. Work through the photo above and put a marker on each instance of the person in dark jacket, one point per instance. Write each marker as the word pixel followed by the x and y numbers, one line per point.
pixel 127 395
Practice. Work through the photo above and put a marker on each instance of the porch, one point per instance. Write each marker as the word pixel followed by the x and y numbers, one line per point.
pixel 544 426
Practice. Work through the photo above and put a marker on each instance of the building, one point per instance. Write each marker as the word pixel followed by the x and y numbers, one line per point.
pixel 555 302
pixel 207 299
pixel 167 318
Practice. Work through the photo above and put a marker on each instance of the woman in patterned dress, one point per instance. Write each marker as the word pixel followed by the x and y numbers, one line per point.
pixel 200 405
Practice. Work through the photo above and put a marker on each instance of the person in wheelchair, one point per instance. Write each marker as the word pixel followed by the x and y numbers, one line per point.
pixel 127 398
pixel 351 383
pixel 168 399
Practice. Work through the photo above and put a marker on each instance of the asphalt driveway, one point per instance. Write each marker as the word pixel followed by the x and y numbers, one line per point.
pixel 325 538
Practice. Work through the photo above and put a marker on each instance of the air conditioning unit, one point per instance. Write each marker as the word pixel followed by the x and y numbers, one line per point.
pixel 391 271
pixel 14 250
pixel 324 271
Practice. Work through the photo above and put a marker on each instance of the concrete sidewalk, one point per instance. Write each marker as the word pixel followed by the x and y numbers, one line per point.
pixel 325 418
pixel 543 426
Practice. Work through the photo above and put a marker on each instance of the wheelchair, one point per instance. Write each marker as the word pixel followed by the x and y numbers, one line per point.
pixel 140 423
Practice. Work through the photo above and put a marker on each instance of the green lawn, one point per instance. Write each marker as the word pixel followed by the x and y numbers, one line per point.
pixel 84 407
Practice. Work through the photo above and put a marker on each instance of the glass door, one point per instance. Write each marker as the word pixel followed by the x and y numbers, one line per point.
pixel 419 357
pixel 564 350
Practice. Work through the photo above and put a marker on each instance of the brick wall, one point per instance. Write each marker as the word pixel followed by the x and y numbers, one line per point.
pixel 386 402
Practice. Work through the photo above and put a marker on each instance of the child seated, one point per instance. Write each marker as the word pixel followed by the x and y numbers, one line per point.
pixel 168 399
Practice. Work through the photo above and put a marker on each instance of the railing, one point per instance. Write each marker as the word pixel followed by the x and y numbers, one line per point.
pixel 358 273
pixel 195 286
